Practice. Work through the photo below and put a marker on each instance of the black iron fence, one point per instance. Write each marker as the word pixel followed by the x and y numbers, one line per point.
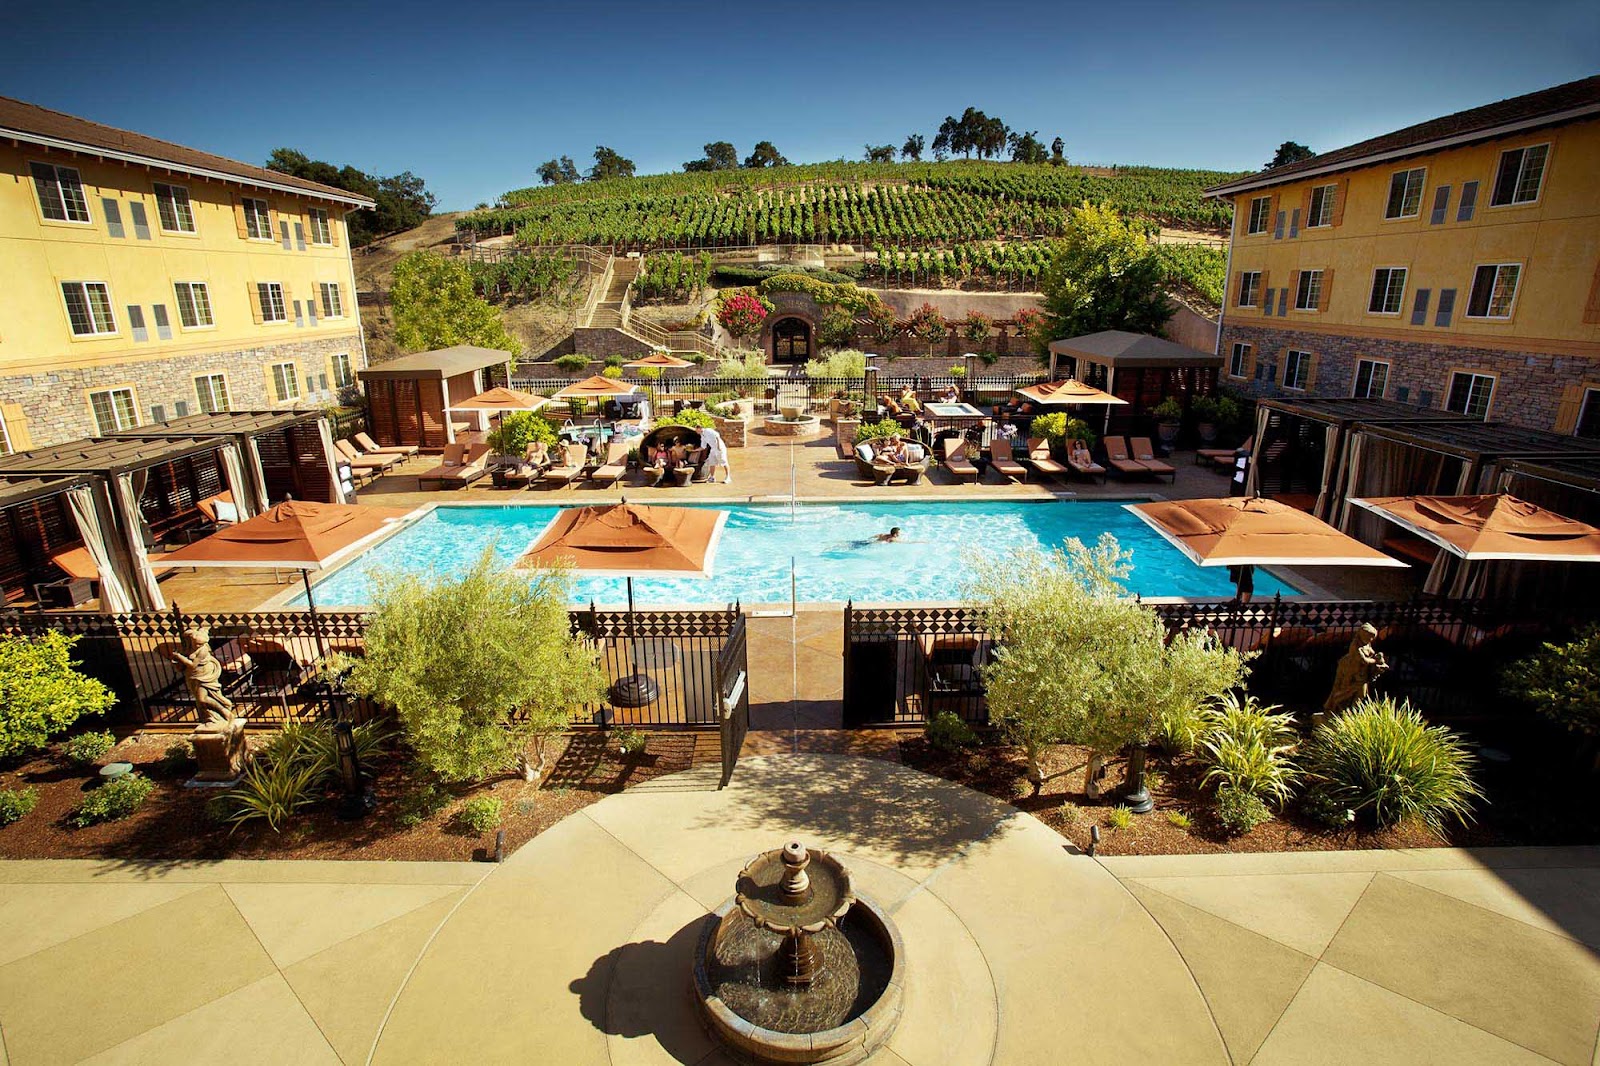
pixel 814 387
pixel 905 665
pixel 270 661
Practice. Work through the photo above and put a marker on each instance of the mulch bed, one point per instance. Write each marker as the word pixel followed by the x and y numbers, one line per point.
pixel 1525 808
pixel 172 824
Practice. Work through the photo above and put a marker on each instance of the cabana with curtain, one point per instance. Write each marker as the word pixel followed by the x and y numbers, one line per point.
pixel 408 398
pixel 1137 368
pixel 1299 444
pixel 1436 459
pixel 284 454
pixel 54 543
pixel 1568 485
pixel 149 495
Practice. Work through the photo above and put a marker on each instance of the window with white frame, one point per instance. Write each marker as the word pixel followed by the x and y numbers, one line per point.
pixel 331 305
pixel 1388 289
pixel 1249 288
pixel 343 377
pixel 1589 415
pixel 1494 290
pixel 5 436
pixel 113 410
pixel 1296 369
pixel 1308 295
pixel 257 219
pixel 60 192
pixel 212 392
pixel 1470 394
pixel 1405 193
pixel 273 309
pixel 173 208
pixel 285 382
pixel 1260 214
pixel 321 229
pixel 1372 378
pixel 194 304
pixel 1520 175
pixel 1320 213
pixel 1239 359
pixel 89 308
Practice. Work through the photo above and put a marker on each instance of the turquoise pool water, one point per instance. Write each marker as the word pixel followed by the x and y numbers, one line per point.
pixel 831 545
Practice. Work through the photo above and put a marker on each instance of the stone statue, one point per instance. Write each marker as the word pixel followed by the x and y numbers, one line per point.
pixel 219 742
pixel 1361 665
pixel 203 674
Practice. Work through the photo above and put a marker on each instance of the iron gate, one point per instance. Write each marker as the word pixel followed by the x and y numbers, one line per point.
pixel 733 689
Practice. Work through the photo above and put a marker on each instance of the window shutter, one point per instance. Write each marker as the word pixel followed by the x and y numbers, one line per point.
pixel 344 299
pixel 238 219
pixel 288 297
pixel 1238 287
pixel 1282 362
pixel 1294 223
pixel 255 303
pixel 16 426
pixel 1469 200
pixel 1283 302
pixel 1266 294
pixel 1294 286
pixel 1339 198
pixel 1419 312
pixel 333 225
pixel 306 226
pixel 1441 205
pixel 1447 305
pixel 1250 361
pixel 1327 288
pixel 1312 359
pixel 113 213
pixel 1305 203
pixel 1277 225
pixel 1591 310
pixel 300 235
pixel 1566 411
pixel 272 220
pixel 141 222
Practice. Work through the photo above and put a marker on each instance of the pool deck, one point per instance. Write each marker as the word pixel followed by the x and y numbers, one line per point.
pixel 770 469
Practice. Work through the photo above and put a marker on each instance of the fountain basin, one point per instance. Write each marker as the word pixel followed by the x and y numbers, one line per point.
pixel 731 946
pixel 782 425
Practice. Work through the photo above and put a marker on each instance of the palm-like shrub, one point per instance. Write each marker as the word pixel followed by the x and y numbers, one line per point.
pixel 1380 760
pixel 1249 748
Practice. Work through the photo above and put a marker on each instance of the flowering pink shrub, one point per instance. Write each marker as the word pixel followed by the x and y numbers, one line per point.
pixel 742 313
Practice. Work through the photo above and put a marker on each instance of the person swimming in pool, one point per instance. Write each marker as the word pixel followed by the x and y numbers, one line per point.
pixel 889 537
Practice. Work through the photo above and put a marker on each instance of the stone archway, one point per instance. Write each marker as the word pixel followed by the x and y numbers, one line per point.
pixel 791 340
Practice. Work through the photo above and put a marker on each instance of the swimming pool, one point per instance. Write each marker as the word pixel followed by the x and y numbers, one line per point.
pixel 831 545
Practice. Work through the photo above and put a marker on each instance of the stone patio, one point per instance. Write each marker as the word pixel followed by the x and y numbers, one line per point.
pixel 1020 950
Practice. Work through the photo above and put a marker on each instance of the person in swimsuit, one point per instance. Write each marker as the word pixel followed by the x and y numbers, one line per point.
pixel 889 537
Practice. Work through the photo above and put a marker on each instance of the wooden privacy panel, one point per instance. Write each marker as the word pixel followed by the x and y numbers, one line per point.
pixel 430 395
pixel 408 418
pixel 381 412
pixel 29 534
pixel 276 466
pixel 310 467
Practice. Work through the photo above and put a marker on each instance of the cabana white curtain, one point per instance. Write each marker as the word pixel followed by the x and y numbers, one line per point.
pixel 144 578
pixel 238 488
pixel 1330 454
pixel 330 455
pixel 260 472
pixel 1253 478
pixel 114 597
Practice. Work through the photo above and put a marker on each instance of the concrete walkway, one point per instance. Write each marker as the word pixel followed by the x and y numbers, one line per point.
pixel 1019 951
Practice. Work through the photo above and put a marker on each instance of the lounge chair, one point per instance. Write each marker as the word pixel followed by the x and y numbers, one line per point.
pixel 534 462
pixel 1124 464
pixel 379 464
pixel 1040 459
pixel 616 465
pixel 568 468
pixel 1145 453
pixel 956 461
pixel 1222 458
pixel 1000 455
pixel 372 447
pixel 460 467
pixel 1080 461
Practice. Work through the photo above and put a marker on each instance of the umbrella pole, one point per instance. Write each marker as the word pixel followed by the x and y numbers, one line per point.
pixel 638 688
pixel 311 606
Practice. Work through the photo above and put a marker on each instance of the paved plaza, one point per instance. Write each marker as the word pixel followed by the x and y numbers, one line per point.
pixel 1019 950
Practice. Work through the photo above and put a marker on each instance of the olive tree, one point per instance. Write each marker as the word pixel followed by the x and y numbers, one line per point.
pixel 1079 662
pixel 478 667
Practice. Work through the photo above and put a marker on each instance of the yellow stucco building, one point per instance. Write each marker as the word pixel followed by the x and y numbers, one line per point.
pixel 1453 264
pixel 142 280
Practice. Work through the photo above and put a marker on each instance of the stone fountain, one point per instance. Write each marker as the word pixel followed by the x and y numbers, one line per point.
pixel 791 420
pixel 796 967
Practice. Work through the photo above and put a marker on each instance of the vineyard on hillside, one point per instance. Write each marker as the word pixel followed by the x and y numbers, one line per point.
pixel 900 205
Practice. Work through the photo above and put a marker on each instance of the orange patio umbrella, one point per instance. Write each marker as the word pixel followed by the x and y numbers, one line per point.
pixel 1242 531
pixel 1064 392
pixel 659 361
pixel 632 540
pixel 502 400
pixel 1495 526
pixel 594 388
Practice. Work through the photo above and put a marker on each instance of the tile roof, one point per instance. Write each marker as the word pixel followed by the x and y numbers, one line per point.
pixel 30 122
pixel 1526 111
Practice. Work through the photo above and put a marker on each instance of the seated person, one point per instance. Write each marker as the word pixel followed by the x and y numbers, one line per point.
pixel 1006 430
pixel 951 394
pixel 909 401
pixel 1078 454
pixel 536 455
pixel 892 451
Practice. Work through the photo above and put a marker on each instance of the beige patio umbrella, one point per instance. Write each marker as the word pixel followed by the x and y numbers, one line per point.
pixel 658 361
pixel 594 388
pixel 501 400
pixel 1057 393
pixel 1497 526
pixel 1243 531
pixel 631 540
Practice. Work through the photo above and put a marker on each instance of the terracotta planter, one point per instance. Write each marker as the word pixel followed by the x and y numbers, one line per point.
pixel 1208 432
pixel 1167 431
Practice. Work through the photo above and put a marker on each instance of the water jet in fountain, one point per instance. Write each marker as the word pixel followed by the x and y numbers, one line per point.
pixel 796 967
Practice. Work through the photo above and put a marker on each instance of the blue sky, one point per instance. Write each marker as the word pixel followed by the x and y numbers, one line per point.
pixel 473 96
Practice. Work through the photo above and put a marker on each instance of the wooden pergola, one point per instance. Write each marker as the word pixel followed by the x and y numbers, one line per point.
pixel 408 397
pixel 1138 368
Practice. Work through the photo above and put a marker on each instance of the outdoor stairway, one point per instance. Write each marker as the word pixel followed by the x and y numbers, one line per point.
pixel 614 310
pixel 607 312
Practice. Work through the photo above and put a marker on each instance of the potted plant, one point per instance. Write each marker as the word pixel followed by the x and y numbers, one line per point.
pixel 1205 419
pixel 510 439
pixel 1169 417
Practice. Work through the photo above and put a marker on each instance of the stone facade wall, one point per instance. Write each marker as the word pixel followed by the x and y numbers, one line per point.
pixel 1527 391
pixel 56 402
pixel 603 342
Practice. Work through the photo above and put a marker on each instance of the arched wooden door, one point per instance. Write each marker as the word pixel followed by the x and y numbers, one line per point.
pixel 791 340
